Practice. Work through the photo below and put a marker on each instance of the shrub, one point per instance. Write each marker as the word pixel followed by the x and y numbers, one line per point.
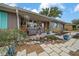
pixel 52 37
pixel 7 37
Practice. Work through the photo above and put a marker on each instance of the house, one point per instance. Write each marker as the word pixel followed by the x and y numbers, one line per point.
pixel 30 22
pixel 77 26
pixel 71 27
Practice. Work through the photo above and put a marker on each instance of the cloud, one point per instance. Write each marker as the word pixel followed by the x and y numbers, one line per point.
pixel 26 8
pixel 11 4
pixel 42 5
pixel 14 5
pixel 35 10
pixel 48 5
pixel 76 8
pixel 58 18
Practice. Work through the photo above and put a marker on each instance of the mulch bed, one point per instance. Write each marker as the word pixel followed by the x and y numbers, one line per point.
pixel 30 48
pixel 56 40
pixel 77 37
pixel 74 53
pixel 35 47
pixel 61 33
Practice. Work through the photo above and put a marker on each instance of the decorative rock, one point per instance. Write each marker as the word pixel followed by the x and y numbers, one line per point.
pixel 3 51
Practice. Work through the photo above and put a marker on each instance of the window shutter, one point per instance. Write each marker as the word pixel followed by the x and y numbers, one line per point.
pixel 0 20
pixel 3 20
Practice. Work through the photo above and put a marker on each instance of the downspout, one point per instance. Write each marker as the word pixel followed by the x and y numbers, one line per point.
pixel 17 16
pixel 49 28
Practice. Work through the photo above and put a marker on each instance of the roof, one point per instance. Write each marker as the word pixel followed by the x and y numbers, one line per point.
pixel 24 12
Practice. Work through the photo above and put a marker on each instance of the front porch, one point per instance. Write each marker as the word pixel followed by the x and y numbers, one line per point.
pixel 33 26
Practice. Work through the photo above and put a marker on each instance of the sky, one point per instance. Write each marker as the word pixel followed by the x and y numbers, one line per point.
pixel 70 10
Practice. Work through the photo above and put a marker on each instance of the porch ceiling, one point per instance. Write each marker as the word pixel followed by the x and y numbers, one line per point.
pixel 33 17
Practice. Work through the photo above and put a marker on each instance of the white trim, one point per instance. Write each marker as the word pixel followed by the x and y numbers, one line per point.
pixel 17 18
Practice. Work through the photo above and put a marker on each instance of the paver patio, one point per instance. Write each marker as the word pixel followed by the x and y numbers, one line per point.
pixel 76 44
pixel 61 49
pixel 64 54
pixel 47 49
pixel 43 54
pixel 53 54
pixel 57 50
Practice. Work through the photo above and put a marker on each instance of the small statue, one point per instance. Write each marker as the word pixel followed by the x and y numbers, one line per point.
pixel 11 50
pixel 66 37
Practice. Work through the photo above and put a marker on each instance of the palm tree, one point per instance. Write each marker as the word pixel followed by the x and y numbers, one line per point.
pixel 53 11
pixel 44 11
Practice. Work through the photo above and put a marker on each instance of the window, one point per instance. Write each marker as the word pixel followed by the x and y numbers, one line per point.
pixel 3 20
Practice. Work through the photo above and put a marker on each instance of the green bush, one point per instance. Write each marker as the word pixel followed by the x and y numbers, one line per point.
pixel 52 37
pixel 7 37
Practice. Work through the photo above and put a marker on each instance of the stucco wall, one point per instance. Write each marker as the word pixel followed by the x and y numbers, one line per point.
pixel 56 27
pixel 12 22
pixel 68 27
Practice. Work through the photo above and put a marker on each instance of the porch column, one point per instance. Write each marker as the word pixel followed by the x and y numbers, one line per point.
pixel 51 26
pixel 17 18
pixel 61 26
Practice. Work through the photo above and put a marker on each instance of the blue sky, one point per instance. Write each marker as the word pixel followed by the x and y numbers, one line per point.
pixel 70 10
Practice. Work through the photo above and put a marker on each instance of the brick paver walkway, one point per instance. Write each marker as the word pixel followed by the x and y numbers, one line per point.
pixel 61 49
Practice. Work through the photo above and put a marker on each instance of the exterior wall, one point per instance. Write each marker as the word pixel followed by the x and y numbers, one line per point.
pixel 68 27
pixel 56 27
pixel 12 22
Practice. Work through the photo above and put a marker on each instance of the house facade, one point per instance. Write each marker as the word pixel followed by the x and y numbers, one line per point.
pixel 68 27
pixel 30 22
